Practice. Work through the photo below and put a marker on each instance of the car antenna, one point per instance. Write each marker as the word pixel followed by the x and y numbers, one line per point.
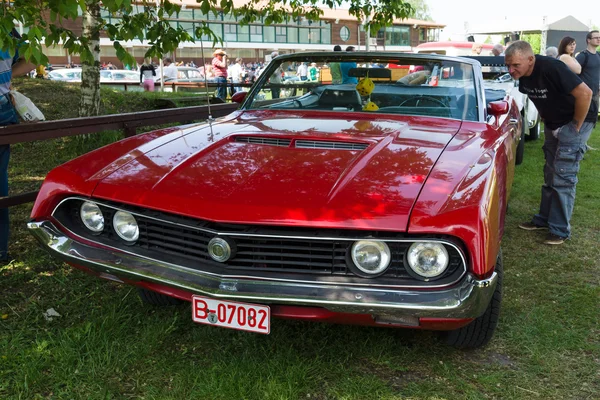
pixel 210 117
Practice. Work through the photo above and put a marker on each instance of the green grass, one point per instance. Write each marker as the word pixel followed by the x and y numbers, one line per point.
pixel 108 345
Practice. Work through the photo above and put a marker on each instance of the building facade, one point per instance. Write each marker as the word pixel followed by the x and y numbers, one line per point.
pixel 256 41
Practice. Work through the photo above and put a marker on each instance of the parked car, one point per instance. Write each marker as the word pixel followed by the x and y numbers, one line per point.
pixel 496 77
pixel 116 75
pixel 65 74
pixel 186 74
pixel 379 203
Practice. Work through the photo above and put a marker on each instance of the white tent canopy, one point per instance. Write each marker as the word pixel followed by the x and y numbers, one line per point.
pixel 526 24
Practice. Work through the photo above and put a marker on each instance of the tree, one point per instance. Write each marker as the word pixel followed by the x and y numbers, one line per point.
pixel 421 10
pixel 45 19
pixel 535 40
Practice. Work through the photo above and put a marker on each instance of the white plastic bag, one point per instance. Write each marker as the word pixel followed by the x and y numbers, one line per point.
pixel 25 107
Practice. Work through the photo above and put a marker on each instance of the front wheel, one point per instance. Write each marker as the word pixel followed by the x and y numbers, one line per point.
pixel 534 132
pixel 479 332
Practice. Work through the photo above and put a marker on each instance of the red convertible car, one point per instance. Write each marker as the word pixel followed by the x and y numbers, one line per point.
pixel 377 200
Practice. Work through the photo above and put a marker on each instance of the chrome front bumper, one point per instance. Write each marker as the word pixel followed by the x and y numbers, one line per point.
pixel 467 299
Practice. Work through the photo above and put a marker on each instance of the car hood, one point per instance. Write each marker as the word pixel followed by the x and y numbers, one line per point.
pixel 285 170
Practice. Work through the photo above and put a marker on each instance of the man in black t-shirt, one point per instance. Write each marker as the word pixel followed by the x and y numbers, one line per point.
pixel 562 100
pixel 589 60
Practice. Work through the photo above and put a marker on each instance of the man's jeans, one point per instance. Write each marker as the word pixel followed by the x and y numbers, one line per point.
pixel 222 89
pixel 8 116
pixel 563 150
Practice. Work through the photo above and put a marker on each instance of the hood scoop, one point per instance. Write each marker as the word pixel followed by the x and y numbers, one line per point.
pixel 302 144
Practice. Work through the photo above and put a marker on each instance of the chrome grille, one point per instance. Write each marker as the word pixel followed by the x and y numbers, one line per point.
pixel 321 144
pixel 263 141
pixel 270 250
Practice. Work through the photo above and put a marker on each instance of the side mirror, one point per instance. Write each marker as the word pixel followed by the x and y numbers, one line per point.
pixel 498 108
pixel 238 97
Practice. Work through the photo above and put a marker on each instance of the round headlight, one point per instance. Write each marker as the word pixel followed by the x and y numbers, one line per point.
pixel 92 217
pixel 371 257
pixel 428 259
pixel 221 249
pixel 126 226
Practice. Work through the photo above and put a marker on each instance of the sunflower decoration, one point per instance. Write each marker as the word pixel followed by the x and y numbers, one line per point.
pixel 365 87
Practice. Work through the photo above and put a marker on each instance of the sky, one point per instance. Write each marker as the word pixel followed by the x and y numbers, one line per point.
pixel 454 13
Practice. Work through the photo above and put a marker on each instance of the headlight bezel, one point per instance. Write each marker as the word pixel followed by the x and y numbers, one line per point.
pixel 412 272
pixel 361 271
pixel 125 214
pixel 94 231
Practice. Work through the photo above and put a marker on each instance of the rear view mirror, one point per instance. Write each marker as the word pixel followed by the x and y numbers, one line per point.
pixel 238 97
pixel 498 108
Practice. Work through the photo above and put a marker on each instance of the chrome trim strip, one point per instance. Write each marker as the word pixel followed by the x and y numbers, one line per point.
pixel 464 271
pixel 467 299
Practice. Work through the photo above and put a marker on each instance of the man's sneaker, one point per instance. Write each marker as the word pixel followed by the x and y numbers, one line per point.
pixel 531 226
pixel 554 239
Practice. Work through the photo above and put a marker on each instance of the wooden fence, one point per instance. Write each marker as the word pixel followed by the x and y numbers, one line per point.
pixel 77 126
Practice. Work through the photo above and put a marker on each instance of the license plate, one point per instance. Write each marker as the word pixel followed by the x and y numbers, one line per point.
pixel 231 314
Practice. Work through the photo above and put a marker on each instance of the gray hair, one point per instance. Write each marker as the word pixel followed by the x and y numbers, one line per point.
pixel 498 47
pixel 520 46
pixel 552 51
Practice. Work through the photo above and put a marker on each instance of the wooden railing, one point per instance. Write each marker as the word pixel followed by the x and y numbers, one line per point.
pixel 78 126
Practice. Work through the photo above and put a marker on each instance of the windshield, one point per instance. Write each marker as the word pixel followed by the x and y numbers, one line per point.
pixel 363 82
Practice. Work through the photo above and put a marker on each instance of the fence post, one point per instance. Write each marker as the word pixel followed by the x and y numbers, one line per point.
pixel 129 130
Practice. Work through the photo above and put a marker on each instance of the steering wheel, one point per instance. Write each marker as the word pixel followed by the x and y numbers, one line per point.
pixel 418 99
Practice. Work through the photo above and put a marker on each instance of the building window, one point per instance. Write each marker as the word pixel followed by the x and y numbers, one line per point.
pixel 303 35
pixel 292 35
pixel 422 34
pixel 315 36
pixel 243 33
pixel 396 35
pixel 280 34
pixel 256 33
pixel 269 34
pixel 217 29
pixel 230 32
pixel 326 33
pixel 344 33
pixel 433 35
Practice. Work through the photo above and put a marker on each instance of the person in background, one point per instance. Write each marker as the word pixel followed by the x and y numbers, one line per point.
pixel 219 67
pixel 566 54
pixel 552 52
pixel 302 71
pixel 562 100
pixel 345 68
pixel 170 70
pixel 9 67
pixel 476 49
pixel 589 59
pixel 313 72
pixel 498 50
pixel 334 68
pixel 237 73
pixel 147 74
pixel 276 78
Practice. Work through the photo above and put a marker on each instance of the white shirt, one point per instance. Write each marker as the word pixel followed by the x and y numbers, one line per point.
pixel 170 72
pixel 302 70
pixel 235 71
